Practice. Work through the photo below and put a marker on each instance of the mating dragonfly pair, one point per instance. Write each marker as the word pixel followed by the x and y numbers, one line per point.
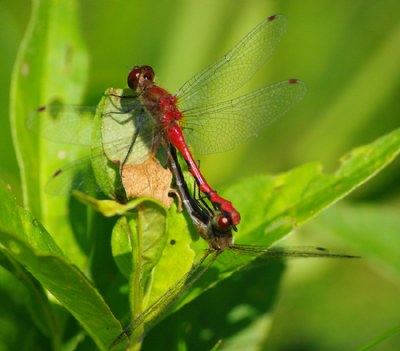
pixel 197 116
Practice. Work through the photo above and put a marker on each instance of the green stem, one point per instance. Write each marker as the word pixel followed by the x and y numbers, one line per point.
pixel 136 228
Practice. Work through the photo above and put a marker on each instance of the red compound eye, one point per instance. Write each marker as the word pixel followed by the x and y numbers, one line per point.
pixel 139 76
pixel 223 222
pixel 148 73
pixel 133 77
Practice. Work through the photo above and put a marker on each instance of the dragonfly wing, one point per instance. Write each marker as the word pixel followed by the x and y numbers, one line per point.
pixel 135 129
pixel 66 124
pixel 288 252
pixel 235 68
pixel 157 310
pixel 224 125
pixel 78 176
pixel 121 131
pixel 73 124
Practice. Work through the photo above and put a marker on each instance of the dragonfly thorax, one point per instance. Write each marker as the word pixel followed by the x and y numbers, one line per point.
pixel 169 110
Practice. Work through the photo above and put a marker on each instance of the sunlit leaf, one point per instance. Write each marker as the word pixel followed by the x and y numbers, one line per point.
pixel 61 278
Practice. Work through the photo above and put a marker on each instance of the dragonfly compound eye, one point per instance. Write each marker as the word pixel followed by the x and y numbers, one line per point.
pixel 148 73
pixel 223 222
pixel 140 78
pixel 133 77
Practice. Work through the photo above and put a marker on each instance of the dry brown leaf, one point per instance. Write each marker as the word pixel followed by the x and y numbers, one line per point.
pixel 149 178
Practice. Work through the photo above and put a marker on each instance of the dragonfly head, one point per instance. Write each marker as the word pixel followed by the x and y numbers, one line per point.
pixel 219 233
pixel 140 78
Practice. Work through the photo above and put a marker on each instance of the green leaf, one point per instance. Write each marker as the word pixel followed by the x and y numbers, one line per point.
pixel 271 207
pixel 165 264
pixel 24 310
pixel 121 244
pixel 178 255
pixel 70 287
pixel 168 262
pixel 34 298
pixel 51 54
pixel 238 311
pixel 147 249
pixel 111 208
pixel 105 172
pixel 62 279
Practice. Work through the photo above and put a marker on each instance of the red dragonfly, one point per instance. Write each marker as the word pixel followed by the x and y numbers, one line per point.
pixel 222 125
pixel 213 227
pixel 198 114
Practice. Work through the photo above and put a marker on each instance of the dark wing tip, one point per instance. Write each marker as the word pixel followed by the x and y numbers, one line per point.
pixel 57 172
pixel 275 17
pixel 272 18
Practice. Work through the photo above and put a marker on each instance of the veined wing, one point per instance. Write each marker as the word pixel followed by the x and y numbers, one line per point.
pixel 288 252
pixel 65 124
pixel 124 134
pixel 73 124
pixel 222 126
pixel 235 68
pixel 79 175
pixel 156 311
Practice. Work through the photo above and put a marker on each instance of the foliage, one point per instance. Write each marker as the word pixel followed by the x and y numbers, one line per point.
pixel 60 270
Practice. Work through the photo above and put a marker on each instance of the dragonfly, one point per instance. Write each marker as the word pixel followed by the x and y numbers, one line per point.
pixel 213 227
pixel 199 116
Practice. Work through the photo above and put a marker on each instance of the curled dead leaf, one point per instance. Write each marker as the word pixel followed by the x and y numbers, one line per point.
pixel 149 178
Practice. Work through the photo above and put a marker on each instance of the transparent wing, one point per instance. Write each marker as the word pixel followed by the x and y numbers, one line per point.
pixel 66 124
pixel 288 252
pixel 235 68
pixel 156 311
pixel 73 124
pixel 222 126
pixel 125 134
pixel 79 175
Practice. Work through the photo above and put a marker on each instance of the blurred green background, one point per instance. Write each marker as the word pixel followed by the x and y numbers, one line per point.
pixel 348 53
